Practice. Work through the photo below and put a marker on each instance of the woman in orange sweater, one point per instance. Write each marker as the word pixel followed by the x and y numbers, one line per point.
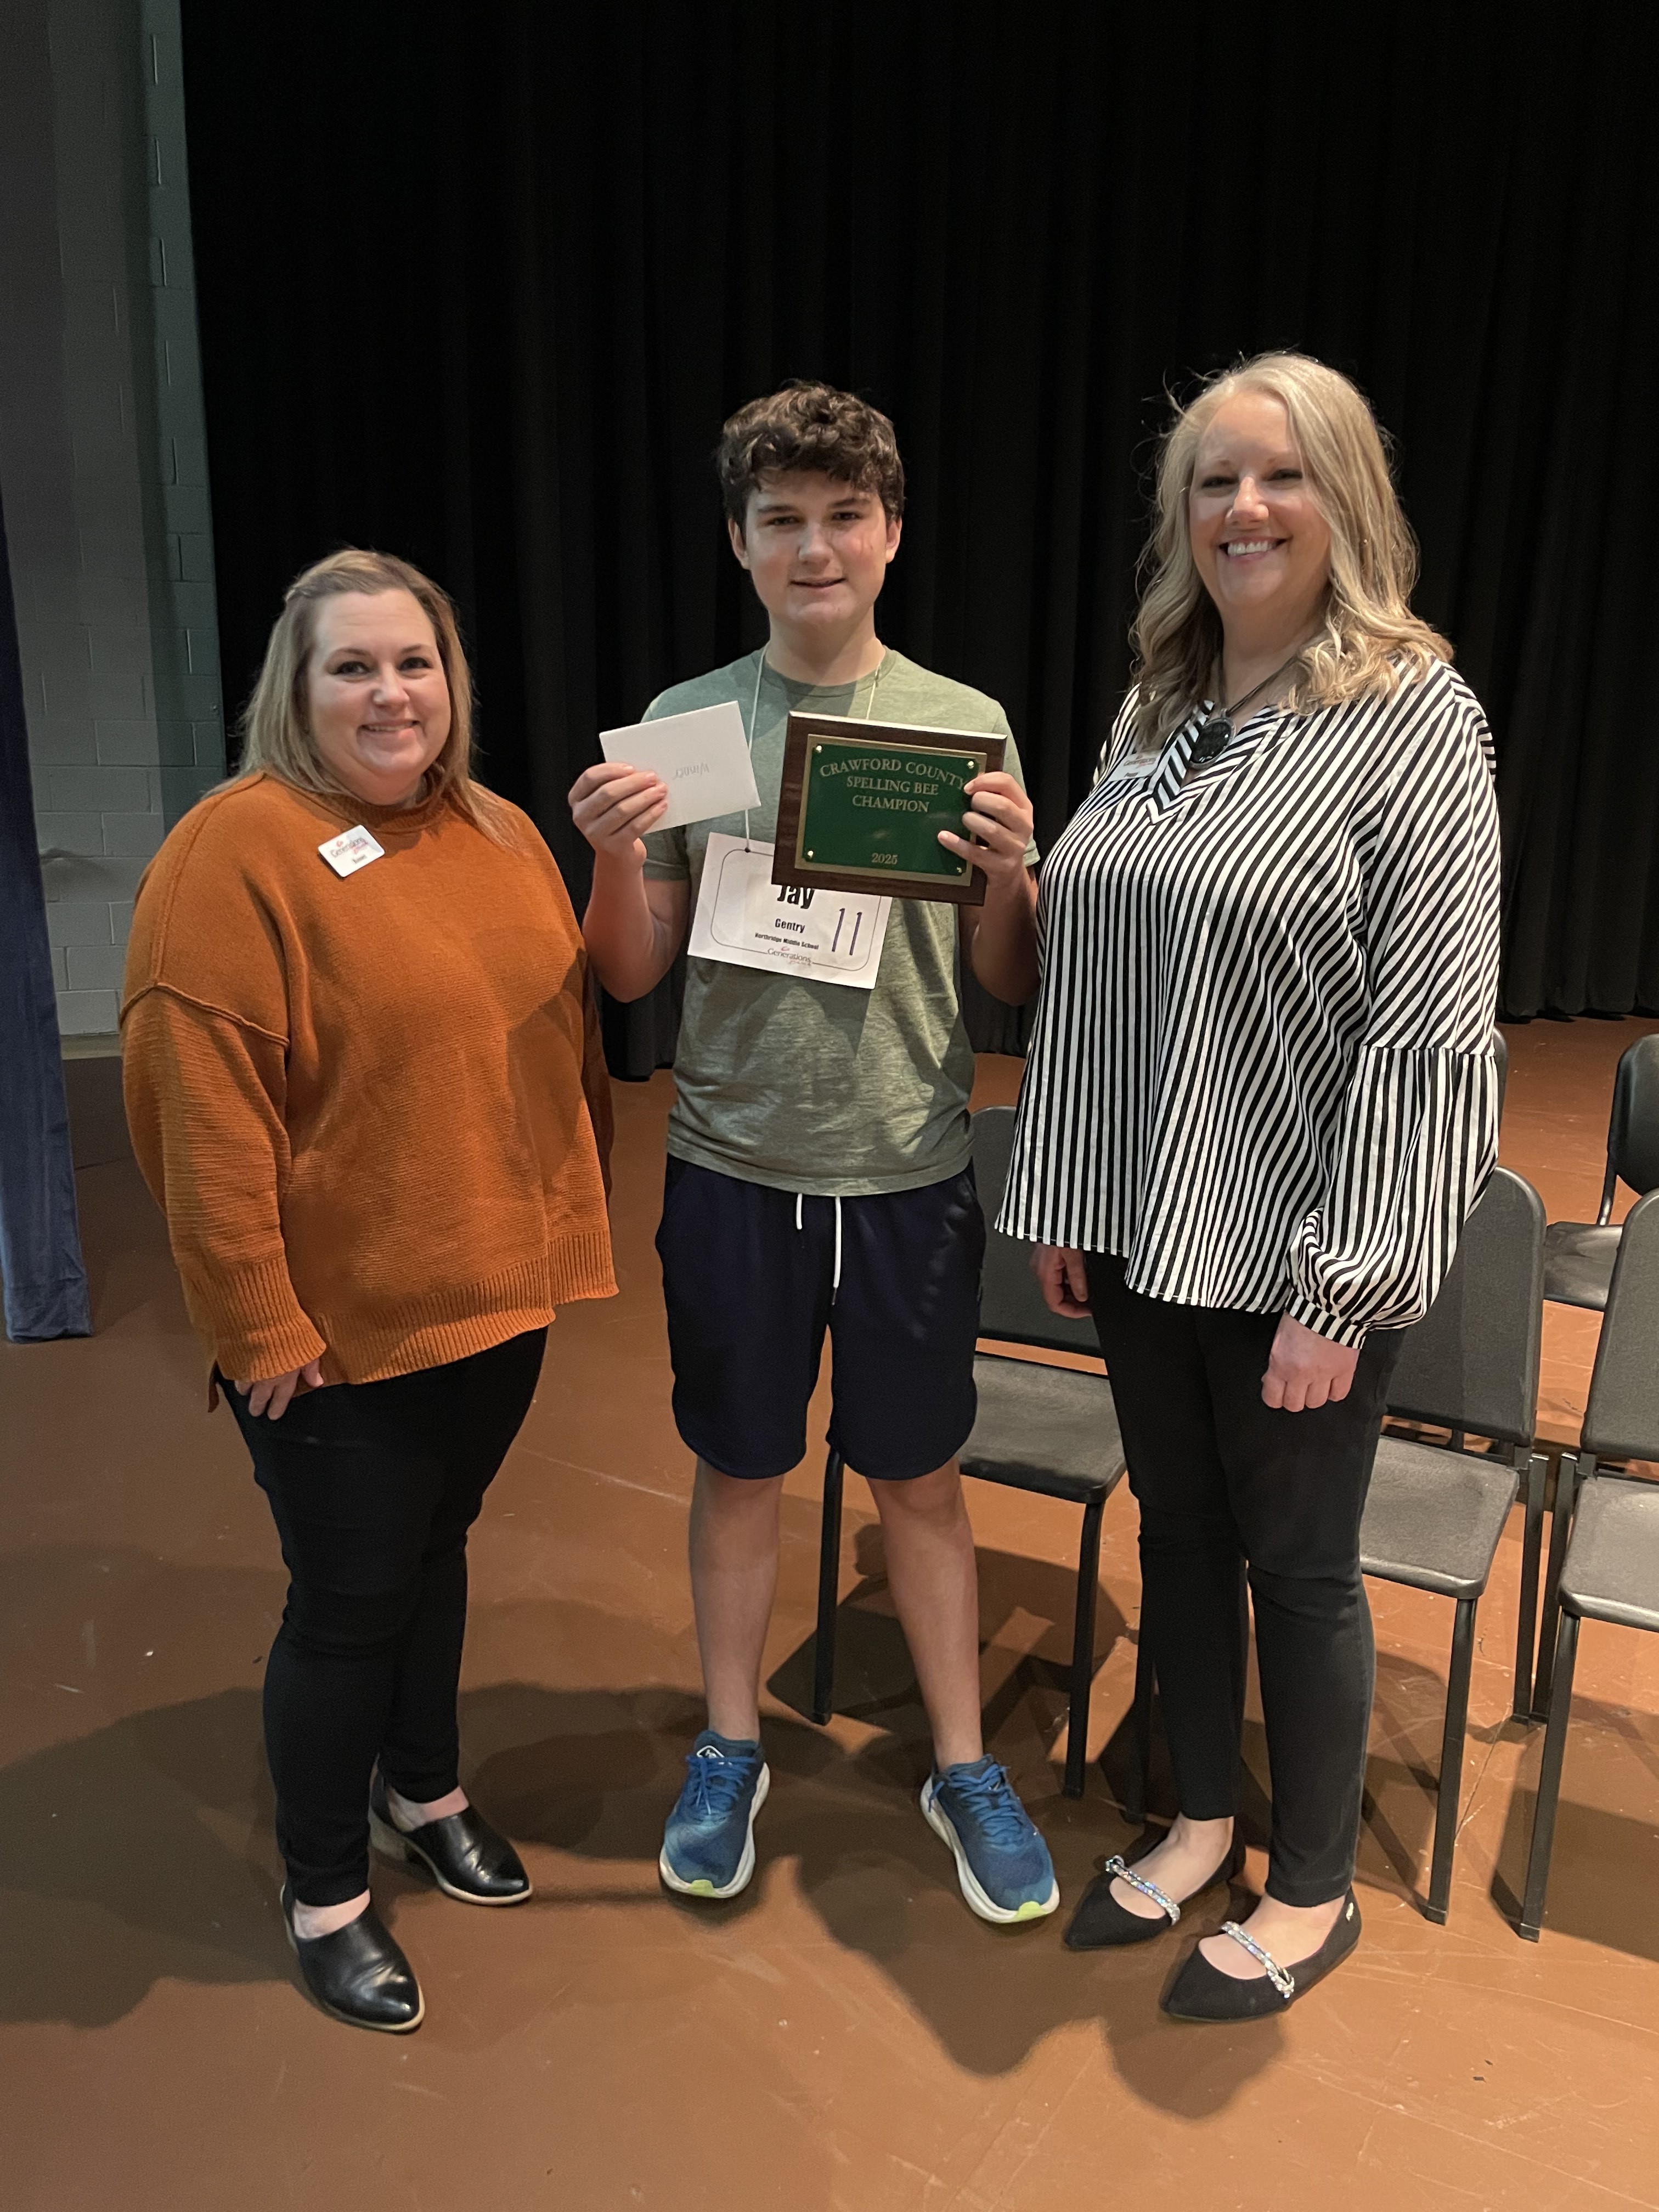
pixel 363 1078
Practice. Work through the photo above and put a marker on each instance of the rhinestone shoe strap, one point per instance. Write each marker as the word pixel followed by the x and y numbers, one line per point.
pixel 1147 1888
pixel 1282 1980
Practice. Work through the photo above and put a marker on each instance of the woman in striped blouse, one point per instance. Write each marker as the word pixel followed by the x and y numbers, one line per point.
pixel 1261 1097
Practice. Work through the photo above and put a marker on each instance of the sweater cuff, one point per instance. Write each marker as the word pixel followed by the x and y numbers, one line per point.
pixel 1352 1334
pixel 256 1325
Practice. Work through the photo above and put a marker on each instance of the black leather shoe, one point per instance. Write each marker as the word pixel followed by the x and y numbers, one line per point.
pixel 1201 1991
pixel 462 1852
pixel 1100 1924
pixel 358 1973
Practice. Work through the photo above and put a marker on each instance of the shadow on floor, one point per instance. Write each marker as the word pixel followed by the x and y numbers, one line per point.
pixel 142 1849
pixel 874 1876
pixel 1614 1906
pixel 875 1682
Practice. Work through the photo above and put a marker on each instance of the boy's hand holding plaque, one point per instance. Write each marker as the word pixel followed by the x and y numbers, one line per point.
pixel 862 803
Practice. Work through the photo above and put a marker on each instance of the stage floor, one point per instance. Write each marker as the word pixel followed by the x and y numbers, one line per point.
pixel 845 2038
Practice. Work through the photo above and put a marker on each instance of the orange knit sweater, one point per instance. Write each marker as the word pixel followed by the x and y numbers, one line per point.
pixel 373 1109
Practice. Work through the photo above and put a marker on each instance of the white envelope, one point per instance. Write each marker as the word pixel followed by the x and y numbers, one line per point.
pixel 702 757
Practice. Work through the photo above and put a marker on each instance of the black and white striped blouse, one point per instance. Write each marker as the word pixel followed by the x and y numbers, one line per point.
pixel 1262 1065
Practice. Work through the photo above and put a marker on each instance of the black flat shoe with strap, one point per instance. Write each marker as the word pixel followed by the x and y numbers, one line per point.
pixel 464 1855
pixel 1202 1992
pixel 1100 1924
pixel 358 1974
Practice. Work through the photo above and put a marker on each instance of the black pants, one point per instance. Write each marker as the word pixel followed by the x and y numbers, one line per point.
pixel 1223 1479
pixel 374 1487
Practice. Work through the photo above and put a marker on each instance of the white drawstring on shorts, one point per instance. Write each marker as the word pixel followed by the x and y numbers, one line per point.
pixel 835 1280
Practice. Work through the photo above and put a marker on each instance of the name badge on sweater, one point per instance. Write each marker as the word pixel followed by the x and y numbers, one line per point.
pixel 747 920
pixel 351 850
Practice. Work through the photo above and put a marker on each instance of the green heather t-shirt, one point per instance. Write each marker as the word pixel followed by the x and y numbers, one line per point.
pixel 813 1087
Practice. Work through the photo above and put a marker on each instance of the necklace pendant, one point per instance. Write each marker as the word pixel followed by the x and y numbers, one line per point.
pixel 1213 737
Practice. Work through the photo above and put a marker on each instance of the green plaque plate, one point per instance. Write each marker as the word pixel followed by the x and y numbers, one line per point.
pixel 883 810
pixel 861 807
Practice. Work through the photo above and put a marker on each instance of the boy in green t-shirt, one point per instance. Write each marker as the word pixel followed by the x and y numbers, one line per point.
pixel 818 1171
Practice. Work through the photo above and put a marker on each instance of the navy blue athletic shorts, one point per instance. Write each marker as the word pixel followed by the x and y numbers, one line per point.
pixel 750 1294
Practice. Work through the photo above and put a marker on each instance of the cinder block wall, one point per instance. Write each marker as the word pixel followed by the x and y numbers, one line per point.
pixel 103 464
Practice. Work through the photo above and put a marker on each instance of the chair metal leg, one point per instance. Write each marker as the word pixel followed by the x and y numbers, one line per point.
pixel 1134 1804
pixel 1451 1761
pixel 1532 1546
pixel 1083 1646
pixel 1549 1779
pixel 823 1647
pixel 1567 1477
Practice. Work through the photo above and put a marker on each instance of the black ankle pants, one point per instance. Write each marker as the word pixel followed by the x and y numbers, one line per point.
pixel 1227 1485
pixel 374 1487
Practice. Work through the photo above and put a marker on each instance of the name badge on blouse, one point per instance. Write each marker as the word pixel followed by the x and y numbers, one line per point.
pixel 351 850
pixel 745 920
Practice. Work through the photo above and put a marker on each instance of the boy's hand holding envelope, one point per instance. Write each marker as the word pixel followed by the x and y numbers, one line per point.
pixel 656 775
pixel 614 804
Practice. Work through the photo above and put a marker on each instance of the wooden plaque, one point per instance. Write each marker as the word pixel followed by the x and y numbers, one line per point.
pixel 861 805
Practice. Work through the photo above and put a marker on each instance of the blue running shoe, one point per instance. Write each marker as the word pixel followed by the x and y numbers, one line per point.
pixel 709 1846
pixel 1002 1862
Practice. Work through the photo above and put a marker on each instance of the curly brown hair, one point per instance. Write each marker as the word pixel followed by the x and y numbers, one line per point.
pixel 805 426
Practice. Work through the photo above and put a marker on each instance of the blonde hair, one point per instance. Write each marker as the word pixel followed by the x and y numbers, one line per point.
pixel 276 731
pixel 1370 642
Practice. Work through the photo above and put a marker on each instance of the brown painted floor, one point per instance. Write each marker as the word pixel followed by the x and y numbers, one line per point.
pixel 846 2036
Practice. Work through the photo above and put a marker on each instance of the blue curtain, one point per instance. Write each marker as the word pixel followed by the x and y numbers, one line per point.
pixel 40 1232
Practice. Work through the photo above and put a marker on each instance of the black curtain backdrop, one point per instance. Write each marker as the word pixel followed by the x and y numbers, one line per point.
pixel 479 285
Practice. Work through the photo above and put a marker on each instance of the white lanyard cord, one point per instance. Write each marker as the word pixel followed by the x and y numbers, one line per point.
pixel 754 713
pixel 754 716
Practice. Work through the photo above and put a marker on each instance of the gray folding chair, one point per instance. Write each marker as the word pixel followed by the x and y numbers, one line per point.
pixel 1610 1570
pixel 1052 1430
pixel 1436 1513
pixel 1578 1256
